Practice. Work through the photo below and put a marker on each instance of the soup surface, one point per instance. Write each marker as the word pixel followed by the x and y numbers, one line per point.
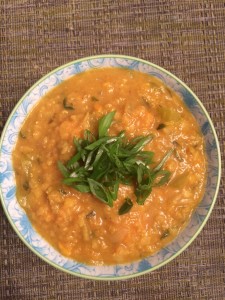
pixel 79 225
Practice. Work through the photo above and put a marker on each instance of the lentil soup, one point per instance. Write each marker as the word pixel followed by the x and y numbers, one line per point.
pixel 77 224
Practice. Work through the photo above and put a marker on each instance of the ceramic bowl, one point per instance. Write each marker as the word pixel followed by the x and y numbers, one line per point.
pixel 17 216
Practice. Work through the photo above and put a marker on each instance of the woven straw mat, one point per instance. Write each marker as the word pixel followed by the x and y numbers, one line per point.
pixel 183 36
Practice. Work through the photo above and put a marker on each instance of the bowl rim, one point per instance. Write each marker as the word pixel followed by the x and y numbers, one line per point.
pixel 94 277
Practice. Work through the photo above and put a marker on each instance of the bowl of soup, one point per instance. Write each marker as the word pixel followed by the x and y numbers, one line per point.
pixel 110 167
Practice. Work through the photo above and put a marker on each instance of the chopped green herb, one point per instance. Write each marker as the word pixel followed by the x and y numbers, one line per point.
pixel 22 135
pixel 100 192
pixel 162 162
pixel 63 169
pixel 62 192
pixel 91 214
pixel 165 234
pixel 101 164
pixel 146 102
pixel 104 124
pixel 176 151
pixel 66 105
pixel 126 206
pixel 83 188
pixel 177 155
pixel 26 186
pixel 93 98
pixel 161 126
pixel 162 177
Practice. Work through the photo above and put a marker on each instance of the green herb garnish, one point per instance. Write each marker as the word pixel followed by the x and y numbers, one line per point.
pixel 93 98
pixel 105 123
pixel 26 186
pixel 91 214
pixel 101 164
pixel 126 207
pixel 161 126
pixel 165 234
pixel 66 105
pixel 22 135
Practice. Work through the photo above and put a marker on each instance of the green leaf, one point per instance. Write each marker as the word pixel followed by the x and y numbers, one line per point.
pixel 113 190
pixel 105 123
pixel 146 156
pixel 83 188
pixel 142 194
pixel 66 105
pixel 162 162
pixel 88 159
pixel 89 136
pixel 71 180
pixel 22 135
pixel 93 98
pixel 126 207
pixel 72 162
pixel 165 234
pixel 26 185
pixel 99 166
pixel 141 143
pixel 96 144
pixel 99 191
pixel 77 143
pixel 140 173
pixel 127 181
pixel 98 156
pixel 161 126
pixel 63 169
pixel 164 177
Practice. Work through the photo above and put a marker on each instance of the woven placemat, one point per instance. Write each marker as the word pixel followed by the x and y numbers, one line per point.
pixel 185 37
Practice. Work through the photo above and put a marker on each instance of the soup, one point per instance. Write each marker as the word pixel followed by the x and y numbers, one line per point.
pixel 77 223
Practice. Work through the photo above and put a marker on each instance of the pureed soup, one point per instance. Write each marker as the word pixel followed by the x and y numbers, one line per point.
pixel 109 166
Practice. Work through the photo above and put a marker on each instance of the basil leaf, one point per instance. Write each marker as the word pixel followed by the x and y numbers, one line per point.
pixel 104 124
pixel 126 207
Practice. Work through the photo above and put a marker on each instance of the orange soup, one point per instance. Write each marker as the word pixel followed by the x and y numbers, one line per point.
pixel 78 224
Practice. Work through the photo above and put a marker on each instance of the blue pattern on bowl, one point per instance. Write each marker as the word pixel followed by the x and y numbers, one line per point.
pixel 16 214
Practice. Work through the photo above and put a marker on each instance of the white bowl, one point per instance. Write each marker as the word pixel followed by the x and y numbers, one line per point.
pixel 17 216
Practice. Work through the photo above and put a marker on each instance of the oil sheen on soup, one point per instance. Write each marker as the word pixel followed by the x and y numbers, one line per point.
pixel 77 224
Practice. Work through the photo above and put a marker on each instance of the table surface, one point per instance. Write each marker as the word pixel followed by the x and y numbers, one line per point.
pixel 183 36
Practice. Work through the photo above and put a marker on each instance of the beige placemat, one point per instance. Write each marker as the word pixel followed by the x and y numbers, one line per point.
pixel 185 37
